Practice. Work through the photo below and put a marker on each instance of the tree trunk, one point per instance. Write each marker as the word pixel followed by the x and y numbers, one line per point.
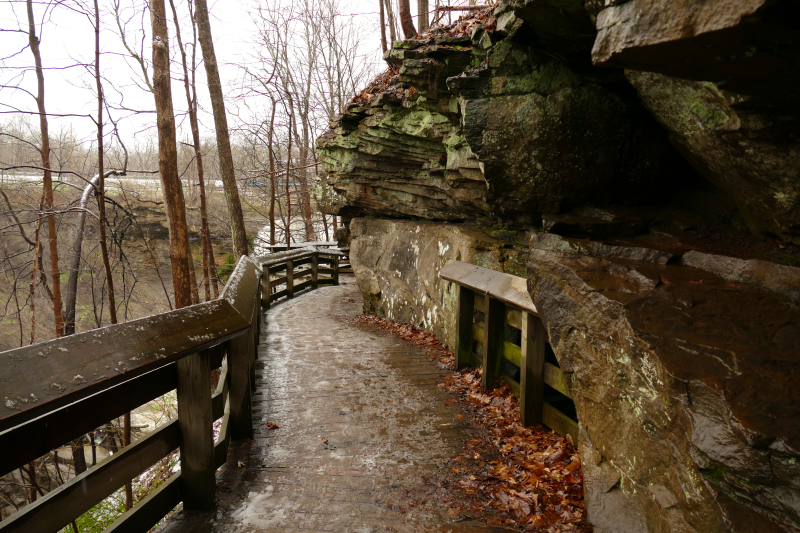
pixel 383 27
pixel 405 19
pixel 288 198
pixel 168 158
pixel 75 258
pixel 422 10
pixel 390 14
pixel 191 99
pixel 221 124
pixel 48 177
pixel 101 204
pixel 272 191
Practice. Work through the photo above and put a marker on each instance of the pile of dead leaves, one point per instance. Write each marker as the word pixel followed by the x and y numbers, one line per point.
pixel 513 476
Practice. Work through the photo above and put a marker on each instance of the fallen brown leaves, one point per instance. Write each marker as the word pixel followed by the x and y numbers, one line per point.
pixel 513 476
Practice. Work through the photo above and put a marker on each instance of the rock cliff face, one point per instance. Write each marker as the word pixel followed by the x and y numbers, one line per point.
pixel 698 372
pixel 638 161
pixel 397 263
pixel 488 127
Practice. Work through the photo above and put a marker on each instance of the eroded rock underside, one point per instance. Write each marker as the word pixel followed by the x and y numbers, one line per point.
pixel 638 162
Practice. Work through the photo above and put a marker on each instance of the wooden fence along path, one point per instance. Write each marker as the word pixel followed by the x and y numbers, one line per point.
pixel 499 330
pixel 57 391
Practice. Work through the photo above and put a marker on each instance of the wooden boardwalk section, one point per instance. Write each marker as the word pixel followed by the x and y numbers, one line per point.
pixel 363 439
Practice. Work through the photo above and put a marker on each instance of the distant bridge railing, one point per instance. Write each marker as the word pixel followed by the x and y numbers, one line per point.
pixel 499 330
pixel 57 391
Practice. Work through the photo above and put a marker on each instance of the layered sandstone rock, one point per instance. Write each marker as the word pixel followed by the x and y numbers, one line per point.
pixel 397 264
pixel 492 128
pixel 685 382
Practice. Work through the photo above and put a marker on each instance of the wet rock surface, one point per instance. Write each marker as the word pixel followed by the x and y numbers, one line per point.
pixel 362 436
pixel 397 264
pixel 697 372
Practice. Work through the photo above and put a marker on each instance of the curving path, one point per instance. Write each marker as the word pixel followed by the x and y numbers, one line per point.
pixel 363 435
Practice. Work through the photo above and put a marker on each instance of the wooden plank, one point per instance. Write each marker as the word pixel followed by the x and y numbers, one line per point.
pixel 324 270
pixel 290 278
pixel 300 286
pixel 326 281
pixel 150 509
pixel 510 350
pixel 276 268
pixel 554 377
pixel 279 294
pixel 303 260
pixel 240 368
pixel 512 384
pixel 266 289
pixel 335 275
pixel 514 317
pixel 512 290
pixel 39 436
pixel 279 281
pixel 58 508
pixel 194 419
pixel 559 422
pixel 315 271
pixel 531 368
pixel 479 302
pixel 466 304
pixel 492 340
pixel 44 377
pixel 242 286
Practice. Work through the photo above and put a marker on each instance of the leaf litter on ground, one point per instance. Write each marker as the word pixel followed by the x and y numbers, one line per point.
pixel 526 478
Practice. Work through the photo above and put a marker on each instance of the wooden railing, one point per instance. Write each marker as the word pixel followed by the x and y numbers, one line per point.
pixel 287 274
pixel 499 330
pixel 57 391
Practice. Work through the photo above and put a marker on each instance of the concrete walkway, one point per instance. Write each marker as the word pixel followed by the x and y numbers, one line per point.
pixel 363 435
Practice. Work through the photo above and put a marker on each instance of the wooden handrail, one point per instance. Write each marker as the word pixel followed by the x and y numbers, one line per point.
pixel 503 300
pixel 41 378
pixel 104 373
pixel 297 280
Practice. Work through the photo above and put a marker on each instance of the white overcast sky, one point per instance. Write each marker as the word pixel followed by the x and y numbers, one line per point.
pixel 67 38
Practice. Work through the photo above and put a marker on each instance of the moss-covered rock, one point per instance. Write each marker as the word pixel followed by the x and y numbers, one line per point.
pixel 494 132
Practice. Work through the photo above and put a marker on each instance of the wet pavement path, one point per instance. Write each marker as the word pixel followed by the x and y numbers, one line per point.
pixel 363 436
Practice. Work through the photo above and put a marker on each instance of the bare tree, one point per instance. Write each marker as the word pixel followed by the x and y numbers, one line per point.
pixel 383 27
pixel 191 98
pixel 422 10
pixel 168 158
pixel 48 177
pixel 238 231
pixel 405 19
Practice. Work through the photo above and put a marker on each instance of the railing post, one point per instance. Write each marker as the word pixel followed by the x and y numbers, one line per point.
pixel 466 308
pixel 493 327
pixel 315 270
pixel 197 439
pixel 240 421
pixel 531 381
pixel 289 278
pixel 266 288
pixel 335 263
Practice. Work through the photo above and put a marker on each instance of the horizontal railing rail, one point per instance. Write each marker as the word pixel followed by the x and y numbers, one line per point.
pixel 56 391
pixel 494 310
pixel 297 271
